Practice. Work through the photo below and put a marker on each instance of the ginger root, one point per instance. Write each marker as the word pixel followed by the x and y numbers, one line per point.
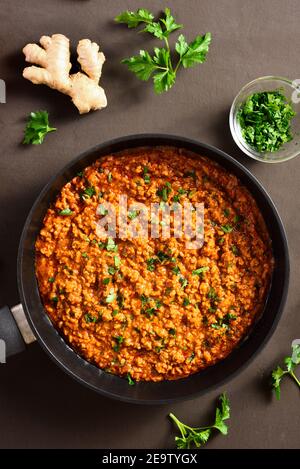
pixel 53 60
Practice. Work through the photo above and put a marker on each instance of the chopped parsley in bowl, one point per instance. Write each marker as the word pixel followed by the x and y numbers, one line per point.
pixel 265 121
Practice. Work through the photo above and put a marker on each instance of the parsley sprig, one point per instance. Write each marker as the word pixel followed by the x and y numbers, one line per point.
pixel 160 65
pixel 198 436
pixel 290 365
pixel 37 128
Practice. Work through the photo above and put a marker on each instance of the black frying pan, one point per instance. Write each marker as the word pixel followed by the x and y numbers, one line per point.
pixel 88 374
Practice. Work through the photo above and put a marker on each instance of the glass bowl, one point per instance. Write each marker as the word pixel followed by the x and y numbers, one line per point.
pixel 291 89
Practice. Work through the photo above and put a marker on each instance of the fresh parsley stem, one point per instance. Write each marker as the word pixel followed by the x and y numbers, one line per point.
pixel 183 426
pixel 177 66
pixel 179 424
pixel 295 378
pixel 168 48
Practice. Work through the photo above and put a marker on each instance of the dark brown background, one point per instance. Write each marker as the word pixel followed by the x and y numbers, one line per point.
pixel 39 405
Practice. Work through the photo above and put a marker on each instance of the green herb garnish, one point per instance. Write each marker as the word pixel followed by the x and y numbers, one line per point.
pixel 146 175
pixel 131 382
pixel 103 210
pixel 66 212
pixel 160 65
pixel 164 192
pixel 132 214
pixel 176 270
pixel 224 322
pixel 265 120
pixel 119 340
pixel 90 319
pixel 198 436
pixel 290 365
pixel 179 194
pixel 172 331
pixel 106 281
pixel 183 282
pixel 88 192
pixel 111 245
pixel 200 271
pixel 151 264
pixel 85 255
pixel 163 257
pixel 51 279
pixel 144 299
pixel 227 228
pixel 235 250
pixel 37 128
pixel 111 296
pixel 149 312
pixel 212 293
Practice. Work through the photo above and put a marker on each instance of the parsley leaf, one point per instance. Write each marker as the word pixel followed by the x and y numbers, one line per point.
pixel 183 282
pixel 132 214
pixel 200 271
pixel 146 175
pixel 119 341
pixel 151 264
pixel 88 192
pixel 198 436
pixel 37 128
pixel 164 79
pixel 164 192
pixel 111 296
pixel 111 245
pixel 142 65
pixel 66 212
pixel 195 52
pixel 133 19
pixel 169 23
pixel 227 228
pixel 91 319
pixel 222 413
pixel 186 302
pixel 290 363
pixel 131 382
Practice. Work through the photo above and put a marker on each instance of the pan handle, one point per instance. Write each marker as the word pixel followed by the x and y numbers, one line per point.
pixel 15 331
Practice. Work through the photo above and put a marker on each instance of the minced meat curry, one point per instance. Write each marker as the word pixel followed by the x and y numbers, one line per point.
pixel 152 309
